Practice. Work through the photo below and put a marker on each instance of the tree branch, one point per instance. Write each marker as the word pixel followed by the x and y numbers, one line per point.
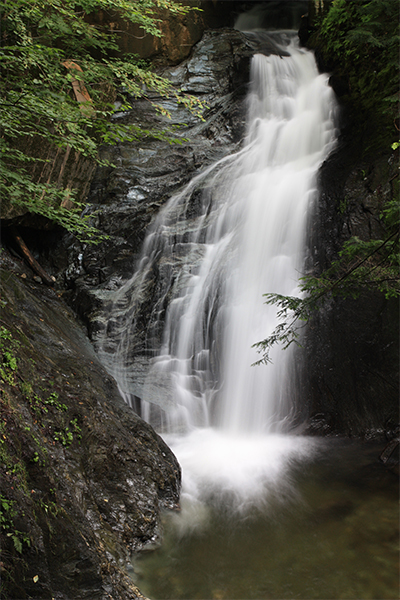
pixel 30 259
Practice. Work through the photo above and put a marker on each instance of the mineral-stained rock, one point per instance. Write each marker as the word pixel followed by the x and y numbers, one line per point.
pixel 84 479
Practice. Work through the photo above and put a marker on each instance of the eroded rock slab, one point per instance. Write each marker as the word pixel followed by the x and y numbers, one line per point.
pixel 127 196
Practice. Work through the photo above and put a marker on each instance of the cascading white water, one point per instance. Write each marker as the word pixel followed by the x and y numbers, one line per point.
pixel 223 416
pixel 290 132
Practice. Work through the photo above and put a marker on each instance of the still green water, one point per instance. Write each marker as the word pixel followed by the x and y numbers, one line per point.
pixel 334 536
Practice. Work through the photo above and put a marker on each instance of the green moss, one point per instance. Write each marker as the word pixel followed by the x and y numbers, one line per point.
pixel 7 515
pixel 32 416
pixel 8 359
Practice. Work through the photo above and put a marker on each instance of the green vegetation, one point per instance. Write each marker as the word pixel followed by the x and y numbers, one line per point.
pixel 8 364
pixel 60 73
pixel 25 440
pixel 359 40
pixel 362 266
pixel 14 470
pixel 8 513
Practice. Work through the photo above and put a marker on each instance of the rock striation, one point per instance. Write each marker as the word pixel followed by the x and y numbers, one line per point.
pixel 127 196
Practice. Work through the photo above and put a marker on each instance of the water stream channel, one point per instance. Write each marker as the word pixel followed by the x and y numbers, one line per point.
pixel 328 530
pixel 266 512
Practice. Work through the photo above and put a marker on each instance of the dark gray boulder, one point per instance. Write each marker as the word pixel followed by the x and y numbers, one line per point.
pixel 85 478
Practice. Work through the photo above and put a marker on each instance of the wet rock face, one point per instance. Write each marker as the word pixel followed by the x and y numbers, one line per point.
pixel 351 369
pixel 146 174
pixel 350 373
pixel 85 476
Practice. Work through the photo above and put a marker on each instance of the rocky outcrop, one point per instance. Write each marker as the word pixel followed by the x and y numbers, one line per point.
pixel 349 383
pixel 83 477
pixel 351 370
pixel 352 346
pixel 64 169
pixel 181 32
pixel 127 196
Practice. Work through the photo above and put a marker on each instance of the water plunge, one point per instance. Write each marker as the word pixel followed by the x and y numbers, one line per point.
pixel 338 538
pixel 236 232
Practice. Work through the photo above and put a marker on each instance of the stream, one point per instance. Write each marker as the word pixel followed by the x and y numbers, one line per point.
pixel 266 512
pixel 328 529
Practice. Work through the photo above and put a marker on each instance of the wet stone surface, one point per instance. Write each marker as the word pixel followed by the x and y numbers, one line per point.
pixel 351 354
pixel 87 478
pixel 146 174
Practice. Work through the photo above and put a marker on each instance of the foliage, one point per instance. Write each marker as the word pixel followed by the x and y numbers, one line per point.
pixel 48 50
pixel 15 469
pixel 8 513
pixel 360 39
pixel 24 436
pixel 372 265
pixel 8 361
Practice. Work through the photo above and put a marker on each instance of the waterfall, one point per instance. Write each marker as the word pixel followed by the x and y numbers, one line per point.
pixel 236 232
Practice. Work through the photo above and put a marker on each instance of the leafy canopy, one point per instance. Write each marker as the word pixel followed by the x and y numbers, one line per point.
pixel 49 49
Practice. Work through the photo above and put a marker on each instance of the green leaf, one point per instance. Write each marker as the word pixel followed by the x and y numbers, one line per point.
pixel 38 107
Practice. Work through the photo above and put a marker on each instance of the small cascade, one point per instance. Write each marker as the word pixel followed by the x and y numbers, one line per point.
pixel 236 232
